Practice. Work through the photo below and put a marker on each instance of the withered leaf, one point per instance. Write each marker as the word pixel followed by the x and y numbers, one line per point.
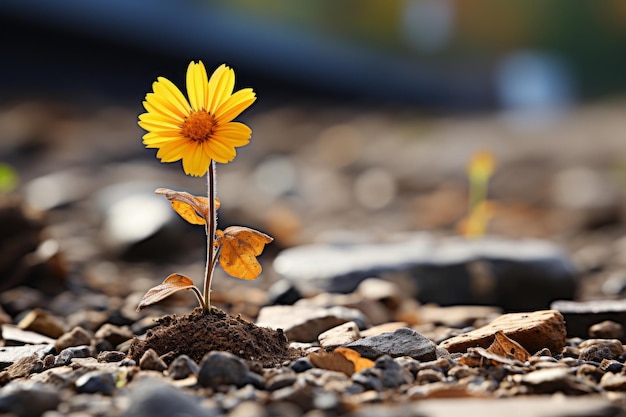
pixel 480 357
pixel 172 284
pixel 341 359
pixel 194 209
pixel 507 347
pixel 239 248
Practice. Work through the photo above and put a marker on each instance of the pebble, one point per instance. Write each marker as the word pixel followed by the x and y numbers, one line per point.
pixel 66 355
pixel 150 360
pixel 607 329
pixel 549 381
pixel 597 350
pixel 75 337
pixel 113 334
pixel 402 342
pixel 534 331
pixel 182 367
pixel 111 356
pixel 280 378
pixel 339 336
pixel 42 322
pixel 153 398
pixel 613 382
pixel 248 409
pixel 222 368
pixel 305 324
pixel 12 354
pixel 28 399
pixel 96 382
pixel 301 365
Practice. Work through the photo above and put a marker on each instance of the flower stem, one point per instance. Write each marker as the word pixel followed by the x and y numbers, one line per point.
pixel 210 232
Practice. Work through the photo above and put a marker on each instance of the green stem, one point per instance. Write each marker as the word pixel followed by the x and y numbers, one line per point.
pixel 210 232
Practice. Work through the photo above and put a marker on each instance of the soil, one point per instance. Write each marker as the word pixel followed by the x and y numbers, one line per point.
pixel 197 333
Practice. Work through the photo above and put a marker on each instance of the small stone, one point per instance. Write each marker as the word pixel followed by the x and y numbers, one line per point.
pixel 339 336
pixel 152 398
pixel 182 367
pixel 111 356
pixel 96 382
pixel 25 366
pixel 606 330
pixel 66 355
pixel 150 360
pixel 305 323
pixel 301 365
pixel 75 337
pixel 280 378
pixel 28 399
pixel 222 368
pixel 42 322
pixel 551 380
pixel 597 350
pixel 113 334
pixel 248 409
pixel 534 331
pixel 402 342
pixel 391 373
pixel 427 376
pixel 613 382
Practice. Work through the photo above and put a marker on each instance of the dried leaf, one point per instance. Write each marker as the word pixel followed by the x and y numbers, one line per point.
pixel 239 248
pixel 480 357
pixel 341 359
pixel 509 348
pixel 172 284
pixel 194 209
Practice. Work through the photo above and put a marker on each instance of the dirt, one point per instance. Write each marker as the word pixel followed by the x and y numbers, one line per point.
pixel 198 333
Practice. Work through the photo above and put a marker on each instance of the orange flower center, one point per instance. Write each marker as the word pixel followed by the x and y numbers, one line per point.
pixel 198 126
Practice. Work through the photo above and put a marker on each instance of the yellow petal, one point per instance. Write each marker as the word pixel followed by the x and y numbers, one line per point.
pixel 197 86
pixel 152 138
pixel 164 106
pixel 221 87
pixel 173 151
pixel 234 105
pixel 196 162
pixel 166 89
pixel 219 151
pixel 234 133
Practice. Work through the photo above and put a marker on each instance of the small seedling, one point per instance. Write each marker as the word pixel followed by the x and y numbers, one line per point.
pixel 480 210
pixel 200 132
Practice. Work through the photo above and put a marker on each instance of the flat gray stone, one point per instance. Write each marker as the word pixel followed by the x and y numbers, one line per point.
pixel 11 354
pixel 402 342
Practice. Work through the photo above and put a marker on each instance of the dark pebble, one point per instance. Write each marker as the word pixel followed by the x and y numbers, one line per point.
pixel 67 354
pixel 152 398
pixel 402 342
pixel 222 368
pixel 96 382
pixel 301 365
pixel 28 400
pixel 182 367
pixel 111 356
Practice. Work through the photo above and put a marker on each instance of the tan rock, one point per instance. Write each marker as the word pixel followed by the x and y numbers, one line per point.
pixel 534 331
pixel 42 322
pixel 339 336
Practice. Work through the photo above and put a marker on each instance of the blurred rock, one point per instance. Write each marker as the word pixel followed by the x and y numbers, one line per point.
pixel 96 382
pixel 28 399
pixel 457 316
pixel 152 398
pixel 222 368
pixel 75 337
pixel 42 322
pixel 13 335
pixel 182 367
pixel 150 360
pixel 304 323
pixel 607 330
pixel 581 315
pixel 339 336
pixel 513 274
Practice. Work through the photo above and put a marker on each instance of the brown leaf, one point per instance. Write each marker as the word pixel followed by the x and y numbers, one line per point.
pixel 507 347
pixel 172 284
pixel 239 248
pixel 341 359
pixel 194 209
pixel 480 357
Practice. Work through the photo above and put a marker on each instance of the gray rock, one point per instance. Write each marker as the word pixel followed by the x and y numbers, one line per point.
pixel 182 367
pixel 305 323
pixel 18 336
pixel 388 372
pixel 514 274
pixel 96 382
pixel 28 399
pixel 301 365
pixel 152 398
pixel 402 342
pixel 12 354
pixel 280 378
pixel 75 337
pixel 66 355
pixel 222 368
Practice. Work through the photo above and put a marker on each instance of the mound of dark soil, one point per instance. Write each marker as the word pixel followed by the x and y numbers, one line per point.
pixel 197 333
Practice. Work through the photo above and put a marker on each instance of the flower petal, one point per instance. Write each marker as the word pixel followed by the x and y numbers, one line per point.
pixel 151 138
pixel 197 86
pixel 166 89
pixel 219 151
pixel 234 105
pixel 196 161
pixel 173 151
pixel 163 106
pixel 221 87
pixel 233 133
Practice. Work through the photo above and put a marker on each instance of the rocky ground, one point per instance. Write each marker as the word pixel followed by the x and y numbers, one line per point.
pixel 383 309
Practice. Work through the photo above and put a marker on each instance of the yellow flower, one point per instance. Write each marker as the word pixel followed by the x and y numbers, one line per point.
pixel 200 129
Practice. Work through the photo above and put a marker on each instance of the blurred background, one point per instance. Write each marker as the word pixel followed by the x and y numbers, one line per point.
pixel 368 113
